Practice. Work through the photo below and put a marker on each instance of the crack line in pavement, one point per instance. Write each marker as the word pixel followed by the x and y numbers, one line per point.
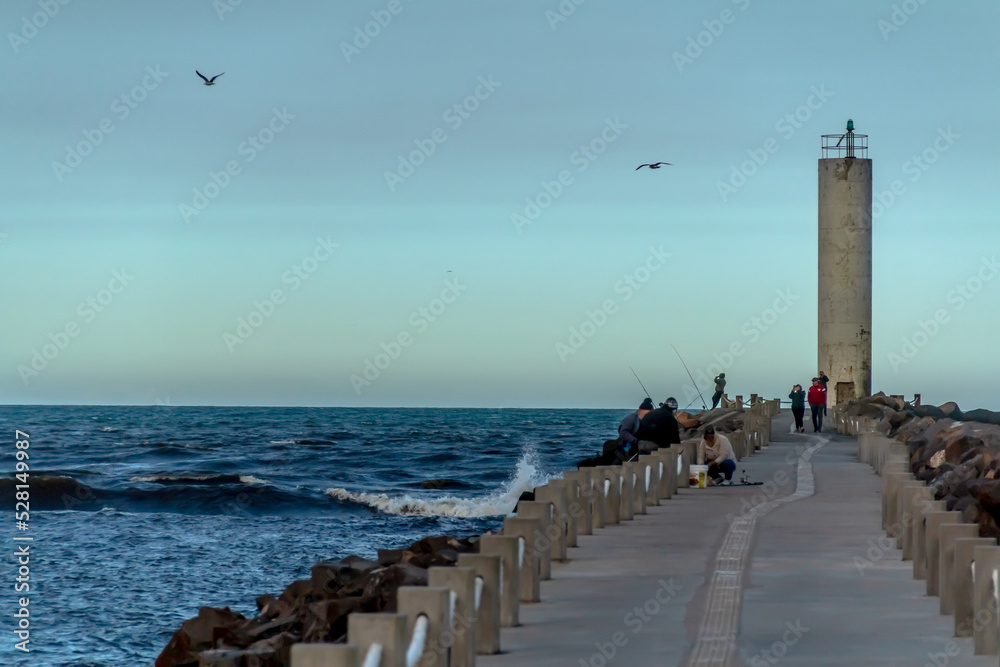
pixel 717 635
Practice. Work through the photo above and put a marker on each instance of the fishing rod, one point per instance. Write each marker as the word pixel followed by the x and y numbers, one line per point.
pixel 641 384
pixel 703 406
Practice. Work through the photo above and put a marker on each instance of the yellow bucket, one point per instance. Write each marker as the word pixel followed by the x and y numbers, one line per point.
pixel 699 476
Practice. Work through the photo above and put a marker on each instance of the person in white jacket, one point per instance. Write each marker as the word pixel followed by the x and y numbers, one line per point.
pixel 716 450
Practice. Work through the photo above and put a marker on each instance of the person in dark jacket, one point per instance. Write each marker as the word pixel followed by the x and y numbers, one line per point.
pixel 823 380
pixel 817 402
pixel 798 407
pixel 629 427
pixel 659 428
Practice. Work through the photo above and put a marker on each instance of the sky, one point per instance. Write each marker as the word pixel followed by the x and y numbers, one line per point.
pixel 407 203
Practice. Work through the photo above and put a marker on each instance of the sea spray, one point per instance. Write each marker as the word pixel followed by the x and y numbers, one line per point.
pixel 525 477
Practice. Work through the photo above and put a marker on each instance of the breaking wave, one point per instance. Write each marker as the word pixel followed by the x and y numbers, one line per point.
pixel 524 478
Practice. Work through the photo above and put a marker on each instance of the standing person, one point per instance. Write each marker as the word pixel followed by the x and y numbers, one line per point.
pixel 823 379
pixel 659 428
pixel 798 407
pixel 817 401
pixel 716 450
pixel 629 427
pixel 720 386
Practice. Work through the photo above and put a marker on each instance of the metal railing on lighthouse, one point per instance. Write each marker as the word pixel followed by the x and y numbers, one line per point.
pixel 848 144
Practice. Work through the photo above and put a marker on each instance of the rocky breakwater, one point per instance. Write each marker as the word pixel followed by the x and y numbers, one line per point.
pixel 956 453
pixel 310 610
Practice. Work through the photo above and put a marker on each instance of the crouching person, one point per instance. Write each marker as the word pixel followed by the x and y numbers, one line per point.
pixel 716 450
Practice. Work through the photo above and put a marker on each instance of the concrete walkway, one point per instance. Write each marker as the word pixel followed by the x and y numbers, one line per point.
pixel 758 575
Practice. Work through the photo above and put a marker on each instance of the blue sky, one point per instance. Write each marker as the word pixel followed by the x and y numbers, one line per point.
pixel 325 209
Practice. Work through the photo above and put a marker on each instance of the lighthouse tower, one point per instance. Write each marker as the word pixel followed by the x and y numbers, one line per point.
pixel 845 265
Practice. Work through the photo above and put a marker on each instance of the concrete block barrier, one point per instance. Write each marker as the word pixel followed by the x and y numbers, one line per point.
pixel 529 573
pixel 909 493
pixel 639 488
pixel 668 472
pixel 612 485
pixel 920 536
pixel 556 533
pixel 508 550
pixel 890 501
pixel 321 655
pixel 563 513
pixel 388 631
pixel 435 603
pixel 598 501
pixel 654 467
pixel 542 548
pixel 932 541
pixel 684 468
pixel 461 581
pixel 986 628
pixel 581 502
pixel 487 568
pixel 950 532
pixel 964 603
pixel 626 498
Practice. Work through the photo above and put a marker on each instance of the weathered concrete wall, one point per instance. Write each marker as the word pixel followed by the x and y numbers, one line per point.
pixel 845 276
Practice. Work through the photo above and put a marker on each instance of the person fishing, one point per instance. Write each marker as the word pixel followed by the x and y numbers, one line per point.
pixel 720 387
pixel 659 428
pixel 629 427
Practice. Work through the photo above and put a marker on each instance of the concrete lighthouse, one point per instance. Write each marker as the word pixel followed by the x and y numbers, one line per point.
pixel 845 265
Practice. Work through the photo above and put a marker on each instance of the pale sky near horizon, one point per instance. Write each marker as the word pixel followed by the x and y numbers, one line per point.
pixel 136 269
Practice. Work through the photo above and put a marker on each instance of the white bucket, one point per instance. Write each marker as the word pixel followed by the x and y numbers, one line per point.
pixel 699 476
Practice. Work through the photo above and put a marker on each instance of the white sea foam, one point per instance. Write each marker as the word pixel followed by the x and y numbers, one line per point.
pixel 246 479
pixel 525 478
pixel 250 479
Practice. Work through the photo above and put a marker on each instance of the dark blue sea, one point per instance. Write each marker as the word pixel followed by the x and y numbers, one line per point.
pixel 140 515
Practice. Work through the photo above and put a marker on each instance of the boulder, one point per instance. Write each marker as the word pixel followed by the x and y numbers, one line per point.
pixel 299 593
pixel 932 411
pixel 326 621
pixel 899 417
pixel 331 576
pixel 381 586
pixel 240 658
pixel 888 401
pixel 913 429
pixel 951 410
pixel 982 416
pixel 198 634
pixel 388 557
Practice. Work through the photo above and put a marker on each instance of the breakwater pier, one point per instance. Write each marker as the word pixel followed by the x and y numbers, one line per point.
pixel 825 562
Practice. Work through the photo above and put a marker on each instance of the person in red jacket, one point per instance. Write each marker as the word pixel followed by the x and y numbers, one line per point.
pixel 817 402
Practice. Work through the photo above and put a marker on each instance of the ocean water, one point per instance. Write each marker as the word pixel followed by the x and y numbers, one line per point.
pixel 140 515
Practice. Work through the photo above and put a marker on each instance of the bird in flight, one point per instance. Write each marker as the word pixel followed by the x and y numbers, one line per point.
pixel 208 82
pixel 653 166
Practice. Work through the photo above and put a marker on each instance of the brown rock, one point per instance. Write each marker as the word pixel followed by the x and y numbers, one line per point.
pixel 957 443
pixel 379 593
pixel 982 416
pixel 913 429
pixel 280 646
pixel 951 410
pixel 329 577
pixel 391 556
pixel 327 621
pixel 198 634
pixel 932 411
pixel 240 658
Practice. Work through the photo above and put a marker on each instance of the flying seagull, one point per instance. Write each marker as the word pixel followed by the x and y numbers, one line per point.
pixel 653 166
pixel 208 82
